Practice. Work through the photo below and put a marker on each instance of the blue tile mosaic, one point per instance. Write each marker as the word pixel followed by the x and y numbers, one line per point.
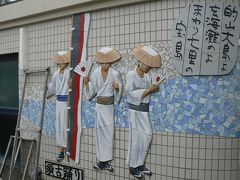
pixel 32 113
pixel 208 105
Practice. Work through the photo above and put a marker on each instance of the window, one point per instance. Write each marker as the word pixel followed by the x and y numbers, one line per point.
pixel 9 73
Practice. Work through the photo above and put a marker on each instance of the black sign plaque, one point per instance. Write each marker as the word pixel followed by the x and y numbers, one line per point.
pixel 61 171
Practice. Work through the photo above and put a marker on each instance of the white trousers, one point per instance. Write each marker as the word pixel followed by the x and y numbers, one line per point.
pixel 61 123
pixel 140 137
pixel 104 132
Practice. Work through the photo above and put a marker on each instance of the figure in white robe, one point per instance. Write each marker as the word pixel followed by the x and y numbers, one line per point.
pixel 104 112
pixel 140 135
pixel 138 88
pixel 106 85
pixel 59 87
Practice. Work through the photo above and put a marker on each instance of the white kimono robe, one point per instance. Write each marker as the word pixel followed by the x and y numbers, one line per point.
pixel 140 129
pixel 104 113
pixel 59 86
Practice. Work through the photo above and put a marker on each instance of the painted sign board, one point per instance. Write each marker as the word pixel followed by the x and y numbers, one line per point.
pixel 205 39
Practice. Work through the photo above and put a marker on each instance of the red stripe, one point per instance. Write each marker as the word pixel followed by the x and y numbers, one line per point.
pixel 77 89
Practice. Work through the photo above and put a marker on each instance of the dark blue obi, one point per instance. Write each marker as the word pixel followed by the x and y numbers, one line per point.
pixel 144 107
pixel 62 97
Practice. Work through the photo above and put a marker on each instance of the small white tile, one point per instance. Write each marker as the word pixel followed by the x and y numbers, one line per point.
pixel 147 26
pixel 141 17
pixel 164 14
pixel 131 19
pixel 127 19
pixel 182 173
pixel 121 12
pixel 137 18
pixel 121 20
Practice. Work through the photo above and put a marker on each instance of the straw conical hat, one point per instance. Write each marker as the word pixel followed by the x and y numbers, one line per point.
pixel 107 55
pixel 62 57
pixel 147 56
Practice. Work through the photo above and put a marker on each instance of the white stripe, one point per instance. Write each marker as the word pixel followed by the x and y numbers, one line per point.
pixel 86 22
pixel 79 124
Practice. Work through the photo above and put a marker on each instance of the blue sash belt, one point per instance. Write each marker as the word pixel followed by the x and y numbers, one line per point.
pixel 62 97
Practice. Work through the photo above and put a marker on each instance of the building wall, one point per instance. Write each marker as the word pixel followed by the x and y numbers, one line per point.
pixel 42 10
pixel 172 155
pixel 37 7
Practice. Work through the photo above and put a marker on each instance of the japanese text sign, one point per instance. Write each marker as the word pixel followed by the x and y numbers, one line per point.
pixel 205 39
pixel 61 171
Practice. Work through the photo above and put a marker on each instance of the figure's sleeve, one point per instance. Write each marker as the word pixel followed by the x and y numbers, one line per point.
pixel 118 95
pixel 51 90
pixel 134 95
pixel 149 81
pixel 91 91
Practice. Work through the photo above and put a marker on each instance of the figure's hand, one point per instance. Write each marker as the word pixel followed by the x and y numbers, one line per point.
pixel 115 86
pixel 153 88
pixel 86 79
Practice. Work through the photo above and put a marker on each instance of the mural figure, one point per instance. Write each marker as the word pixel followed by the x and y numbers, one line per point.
pixel 139 87
pixel 106 85
pixel 59 87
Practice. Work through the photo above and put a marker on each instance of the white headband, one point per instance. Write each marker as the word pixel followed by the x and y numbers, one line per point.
pixel 150 50
pixel 105 50
pixel 61 52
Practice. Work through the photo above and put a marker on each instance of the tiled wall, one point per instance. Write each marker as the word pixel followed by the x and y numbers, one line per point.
pixel 183 104
pixel 9 41
pixel 172 155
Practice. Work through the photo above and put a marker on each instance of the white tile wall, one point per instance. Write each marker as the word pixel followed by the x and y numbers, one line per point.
pixel 172 156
